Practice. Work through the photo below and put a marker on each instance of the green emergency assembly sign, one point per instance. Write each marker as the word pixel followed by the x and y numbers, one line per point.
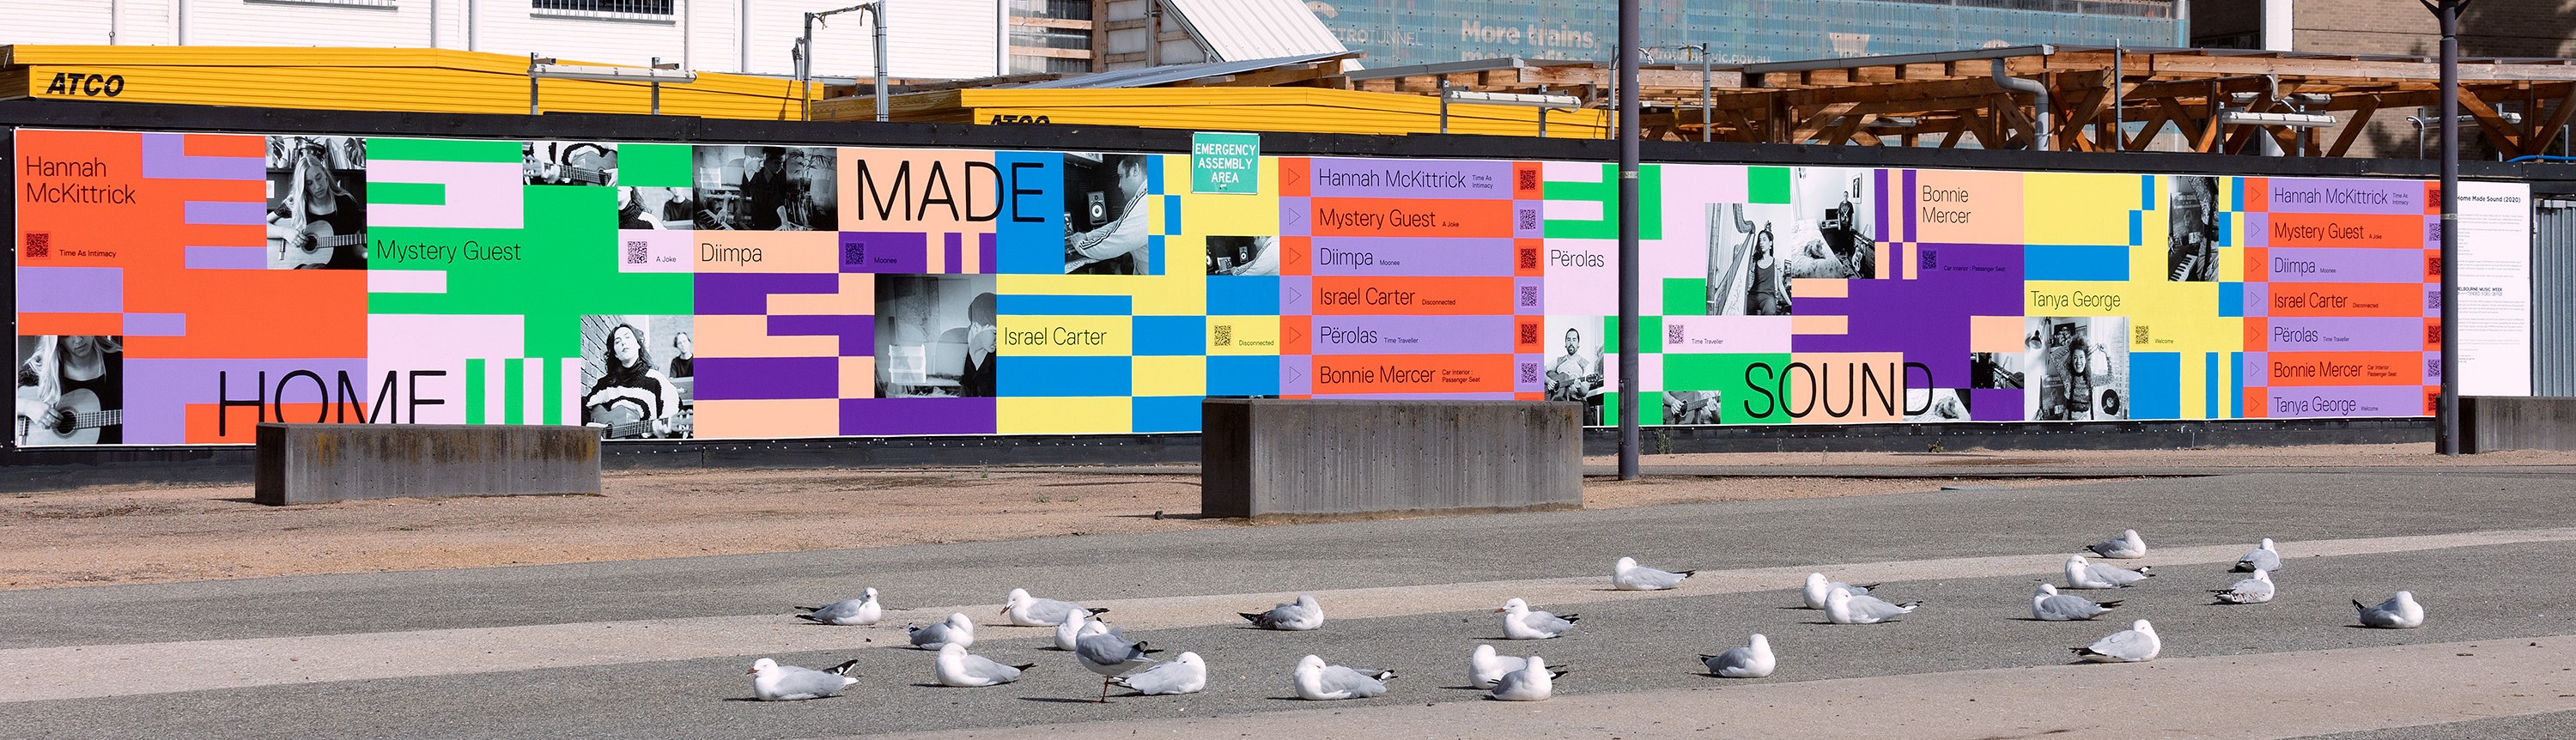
pixel 1225 163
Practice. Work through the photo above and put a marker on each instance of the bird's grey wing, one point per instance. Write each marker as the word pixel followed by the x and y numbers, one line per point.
pixel 2125 644
pixel 1340 678
pixel 843 609
pixel 2263 560
pixel 2070 607
pixel 1659 578
pixel 930 633
pixel 1732 658
pixel 1545 622
pixel 1510 682
pixel 2112 575
pixel 1104 649
pixel 1157 679
pixel 798 680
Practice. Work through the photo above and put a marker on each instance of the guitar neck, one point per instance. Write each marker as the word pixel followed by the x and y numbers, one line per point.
pixel 642 425
pixel 80 420
pixel 343 240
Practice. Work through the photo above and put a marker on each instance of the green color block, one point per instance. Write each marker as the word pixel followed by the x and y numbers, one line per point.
pixel 1685 296
pixel 554 393
pixel 407 194
pixel 1734 377
pixel 443 150
pixel 474 391
pixel 514 393
pixel 1650 205
pixel 1767 184
pixel 560 266
pixel 655 166
pixel 1650 408
pixel 1650 326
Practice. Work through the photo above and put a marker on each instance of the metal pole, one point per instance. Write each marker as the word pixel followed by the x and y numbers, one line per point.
pixel 532 83
pixel 1628 339
pixel 1706 127
pixel 877 13
pixel 2119 98
pixel 1444 105
pixel 657 88
pixel 2446 430
pixel 805 69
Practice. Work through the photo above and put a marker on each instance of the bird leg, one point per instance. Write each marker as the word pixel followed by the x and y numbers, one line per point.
pixel 1104 690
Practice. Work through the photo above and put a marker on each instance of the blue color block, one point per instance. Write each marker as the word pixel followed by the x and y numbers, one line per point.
pixel 2235 194
pixel 1154 174
pixel 2155 385
pixel 2137 228
pixel 1171 215
pixel 1029 236
pixel 1154 254
pixel 1167 413
pixel 2146 192
pixel 1065 376
pixel 1243 375
pixel 2231 299
pixel 1171 335
pixel 1243 295
pixel 2209 385
pixel 2235 392
pixel 2226 231
pixel 2075 262
pixel 1063 305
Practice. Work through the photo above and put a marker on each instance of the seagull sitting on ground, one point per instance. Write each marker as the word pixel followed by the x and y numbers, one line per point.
pixel 2399 612
pixel 1519 623
pixel 1484 667
pixel 958 668
pixel 773 682
pixel 1841 607
pixel 1316 681
pixel 2137 644
pixel 1817 587
pixel 1750 661
pixel 2080 574
pixel 957 629
pixel 861 610
pixel 2046 604
pixel 2262 558
pixel 1299 615
pixel 1531 683
pixel 1076 626
pixel 1029 611
pixel 2126 546
pixel 1183 675
pixel 2255 589
pixel 1627 575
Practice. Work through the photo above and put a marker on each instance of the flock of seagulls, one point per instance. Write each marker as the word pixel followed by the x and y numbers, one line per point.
pixel 1105 650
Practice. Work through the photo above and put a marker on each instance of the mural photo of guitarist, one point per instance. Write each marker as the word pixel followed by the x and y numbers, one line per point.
pixel 71 391
pixel 624 390
pixel 568 162
pixel 317 213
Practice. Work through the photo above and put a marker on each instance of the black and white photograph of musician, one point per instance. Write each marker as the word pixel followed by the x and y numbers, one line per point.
pixel 1577 375
pixel 317 203
pixel 624 388
pixel 2078 366
pixel 1105 229
pixel 1832 231
pixel 1746 276
pixel 1243 255
pixel 71 391
pixel 568 162
pixel 655 208
pixel 2191 244
pixel 937 336
pixel 767 188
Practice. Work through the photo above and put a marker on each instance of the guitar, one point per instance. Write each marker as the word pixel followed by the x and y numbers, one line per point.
pixel 87 418
pixel 319 252
pixel 624 422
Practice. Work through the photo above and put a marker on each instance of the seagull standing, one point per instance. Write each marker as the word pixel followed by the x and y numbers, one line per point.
pixel 2399 612
pixel 861 610
pixel 1183 675
pixel 1817 587
pixel 1076 626
pixel 1627 575
pixel 1531 683
pixel 1111 655
pixel 2137 644
pixel 2080 574
pixel 2126 546
pixel 2262 558
pixel 1841 607
pixel 1519 623
pixel 957 668
pixel 773 682
pixel 2255 589
pixel 1302 614
pixel 1316 681
pixel 1484 667
pixel 1029 611
pixel 1750 661
pixel 2048 605
pixel 958 630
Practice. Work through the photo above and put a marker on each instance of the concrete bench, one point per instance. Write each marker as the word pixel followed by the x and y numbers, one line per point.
pixel 305 463
pixel 2498 423
pixel 1270 459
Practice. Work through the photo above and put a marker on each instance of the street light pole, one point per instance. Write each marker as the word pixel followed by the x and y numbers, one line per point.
pixel 1629 342
pixel 2446 411
pixel 805 55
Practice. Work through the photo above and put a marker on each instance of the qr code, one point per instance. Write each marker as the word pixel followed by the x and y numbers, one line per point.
pixel 1672 334
pixel 1225 335
pixel 40 245
pixel 1529 334
pixel 1931 260
pixel 854 253
pixel 1529 295
pixel 1529 179
pixel 2138 334
pixel 1529 218
pixel 1529 258
pixel 2433 334
pixel 638 252
pixel 2433 299
pixel 1529 372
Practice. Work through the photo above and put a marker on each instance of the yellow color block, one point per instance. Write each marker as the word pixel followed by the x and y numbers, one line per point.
pixel 1067 336
pixel 1078 415
pixel 1183 375
pixel 1251 335
pixel 2074 208
pixel 1255 214
pixel 1152 295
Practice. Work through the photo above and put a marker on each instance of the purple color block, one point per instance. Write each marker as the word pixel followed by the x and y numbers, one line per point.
pixel 223 213
pixel 1412 335
pixel 1293 217
pixel 2433 368
pixel 2254 370
pixel 858 333
pixel 227 258
pixel 984 254
pixel 1354 255
pixel 742 378
pixel 1925 319
pixel 71 289
pixel 158 391
pixel 1908 216
pixel 2257 231
pixel 2304 195
pixel 1408 178
pixel 1296 295
pixel 2258 300
pixel 955 254
pixel 2339 401
pixel 886 251
pixel 2345 334
pixel 165 157
pixel 156 325
pixel 1527 219
pixel 1995 404
pixel 1529 296
pixel 1296 375
pixel 1878 181
pixel 1529 373
pixel 725 293
pixel 1479 396
pixel 873 417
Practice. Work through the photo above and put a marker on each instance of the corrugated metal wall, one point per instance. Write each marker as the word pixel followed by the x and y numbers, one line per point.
pixel 1308 109
pixel 60 22
pixel 2553 296
pixel 427 80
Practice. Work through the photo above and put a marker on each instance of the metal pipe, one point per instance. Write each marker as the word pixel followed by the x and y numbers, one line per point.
pixel 2446 429
pixel 878 14
pixel 1629 342
pixel 2119 97
pixel 805 69
pixel 532 83
pixel 2039 122
pixel 1444 105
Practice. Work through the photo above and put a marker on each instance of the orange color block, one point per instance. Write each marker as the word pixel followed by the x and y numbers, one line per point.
pixel 1412 296
pixel 2347 299
pixel 1347 374
pixel 2285 369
